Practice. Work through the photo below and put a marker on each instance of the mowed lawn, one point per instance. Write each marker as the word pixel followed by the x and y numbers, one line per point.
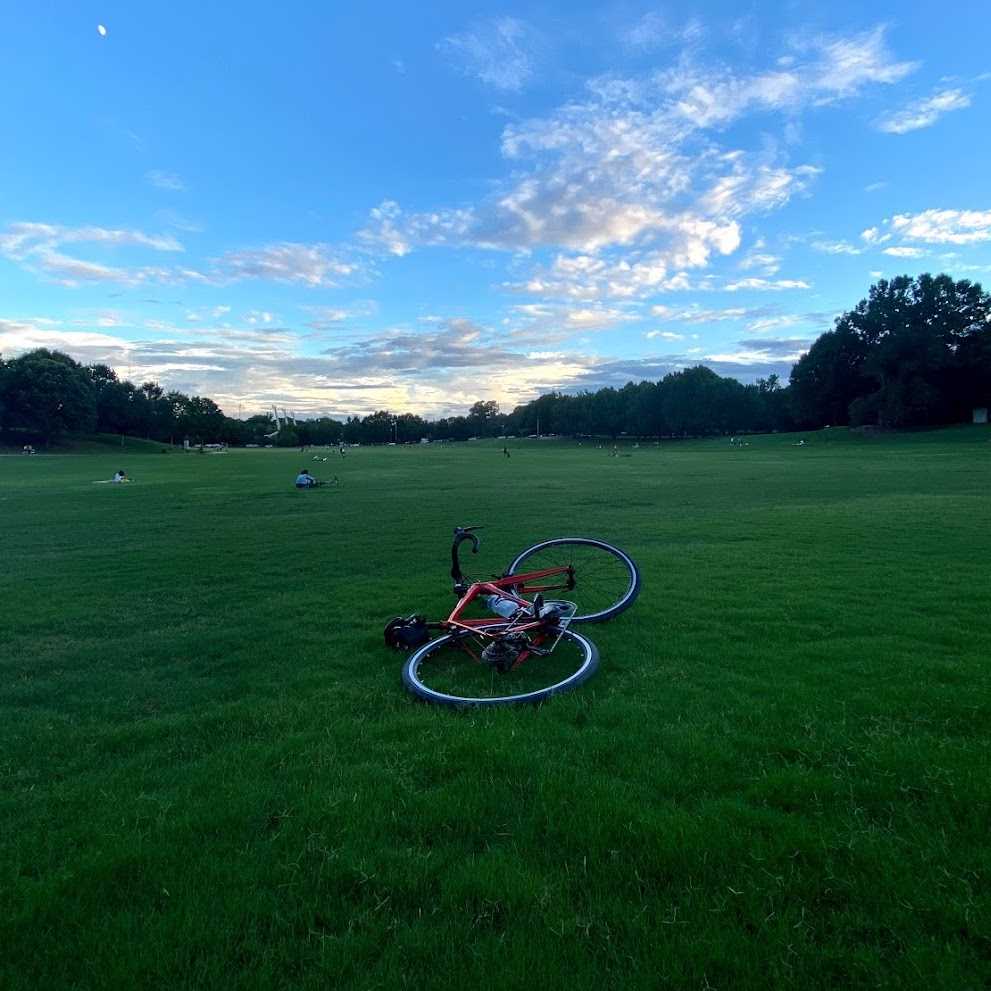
pixel 210 776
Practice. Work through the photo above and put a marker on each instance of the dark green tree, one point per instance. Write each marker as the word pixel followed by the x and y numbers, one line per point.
pixel 201 419
pixel 49 393
pixel 483 417
pixel 829 377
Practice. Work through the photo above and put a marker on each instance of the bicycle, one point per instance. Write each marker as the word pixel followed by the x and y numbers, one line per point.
pixel 527 651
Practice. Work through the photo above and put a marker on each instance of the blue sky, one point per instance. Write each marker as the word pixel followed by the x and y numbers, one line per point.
pixel 413 208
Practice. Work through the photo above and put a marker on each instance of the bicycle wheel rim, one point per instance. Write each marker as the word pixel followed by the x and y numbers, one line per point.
pixel 607 581
pixel 444 672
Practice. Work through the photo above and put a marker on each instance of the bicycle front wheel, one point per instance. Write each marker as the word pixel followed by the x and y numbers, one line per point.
pixel 606 581
pixel 451 671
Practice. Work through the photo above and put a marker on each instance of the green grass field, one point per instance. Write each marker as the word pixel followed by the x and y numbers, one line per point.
pixel 212 778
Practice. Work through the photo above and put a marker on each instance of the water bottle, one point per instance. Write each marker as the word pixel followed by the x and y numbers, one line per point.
pixel 502 606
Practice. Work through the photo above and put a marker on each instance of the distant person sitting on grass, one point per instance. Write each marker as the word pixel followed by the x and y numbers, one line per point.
pixel 304 480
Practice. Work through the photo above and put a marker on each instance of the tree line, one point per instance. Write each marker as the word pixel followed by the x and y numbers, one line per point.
pixel 914 352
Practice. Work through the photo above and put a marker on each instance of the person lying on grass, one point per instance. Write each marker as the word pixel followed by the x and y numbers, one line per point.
pixel 119 477
pixel 304 480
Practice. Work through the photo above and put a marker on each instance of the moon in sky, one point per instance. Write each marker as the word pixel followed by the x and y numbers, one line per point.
pixel 101 30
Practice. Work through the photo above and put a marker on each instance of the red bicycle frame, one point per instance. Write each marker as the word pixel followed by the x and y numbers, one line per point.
pixel 508 587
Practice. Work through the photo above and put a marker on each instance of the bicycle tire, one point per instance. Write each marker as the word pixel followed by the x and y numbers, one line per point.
pixel 562 550
pixel 415 684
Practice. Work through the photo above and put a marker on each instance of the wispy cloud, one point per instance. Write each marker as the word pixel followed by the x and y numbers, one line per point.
pixel 498 52
pixel 767 285
pixel 700 315
pixel 552 322
pixel 327 317
pixel 653 30
pixel 39 247
pixel 822 70
pixel 758 320
pixel 836 247
pixel 165 180
pixel 923 113
pixel 750 352
pixel 27 237
pixel 760 261
pixel 625 187
pixel 307 264
pixel 904 251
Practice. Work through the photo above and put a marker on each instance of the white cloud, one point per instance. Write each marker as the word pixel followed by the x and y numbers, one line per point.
pixel 943 226
pixel 766 264
pixel 306 264
pixel 838 247
pixel 874 236
pixel 498 52
pixel 650 31
pixel 24 238
pixel 39 248
pixel 928 227
pixel 259 316
pixel 638 274
pixel 622 184
pixel 595 317
pixel 845 65
pixel 764 324
pixel 664 335
pixel 165 180
pixel 766 285
pixel 653 30
pixel 756 188
pixel 904 251
pixel 923 113
pixel 824 69
pixel 552 322
pixel 697 315
pixel 875 187
pixel 758 319
pixel 757 352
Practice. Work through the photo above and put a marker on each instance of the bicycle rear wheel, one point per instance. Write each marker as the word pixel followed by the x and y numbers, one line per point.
pixel 607 582
pixel 450 671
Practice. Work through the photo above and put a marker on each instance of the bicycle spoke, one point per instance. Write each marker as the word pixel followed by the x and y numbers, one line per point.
pixel 601 578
